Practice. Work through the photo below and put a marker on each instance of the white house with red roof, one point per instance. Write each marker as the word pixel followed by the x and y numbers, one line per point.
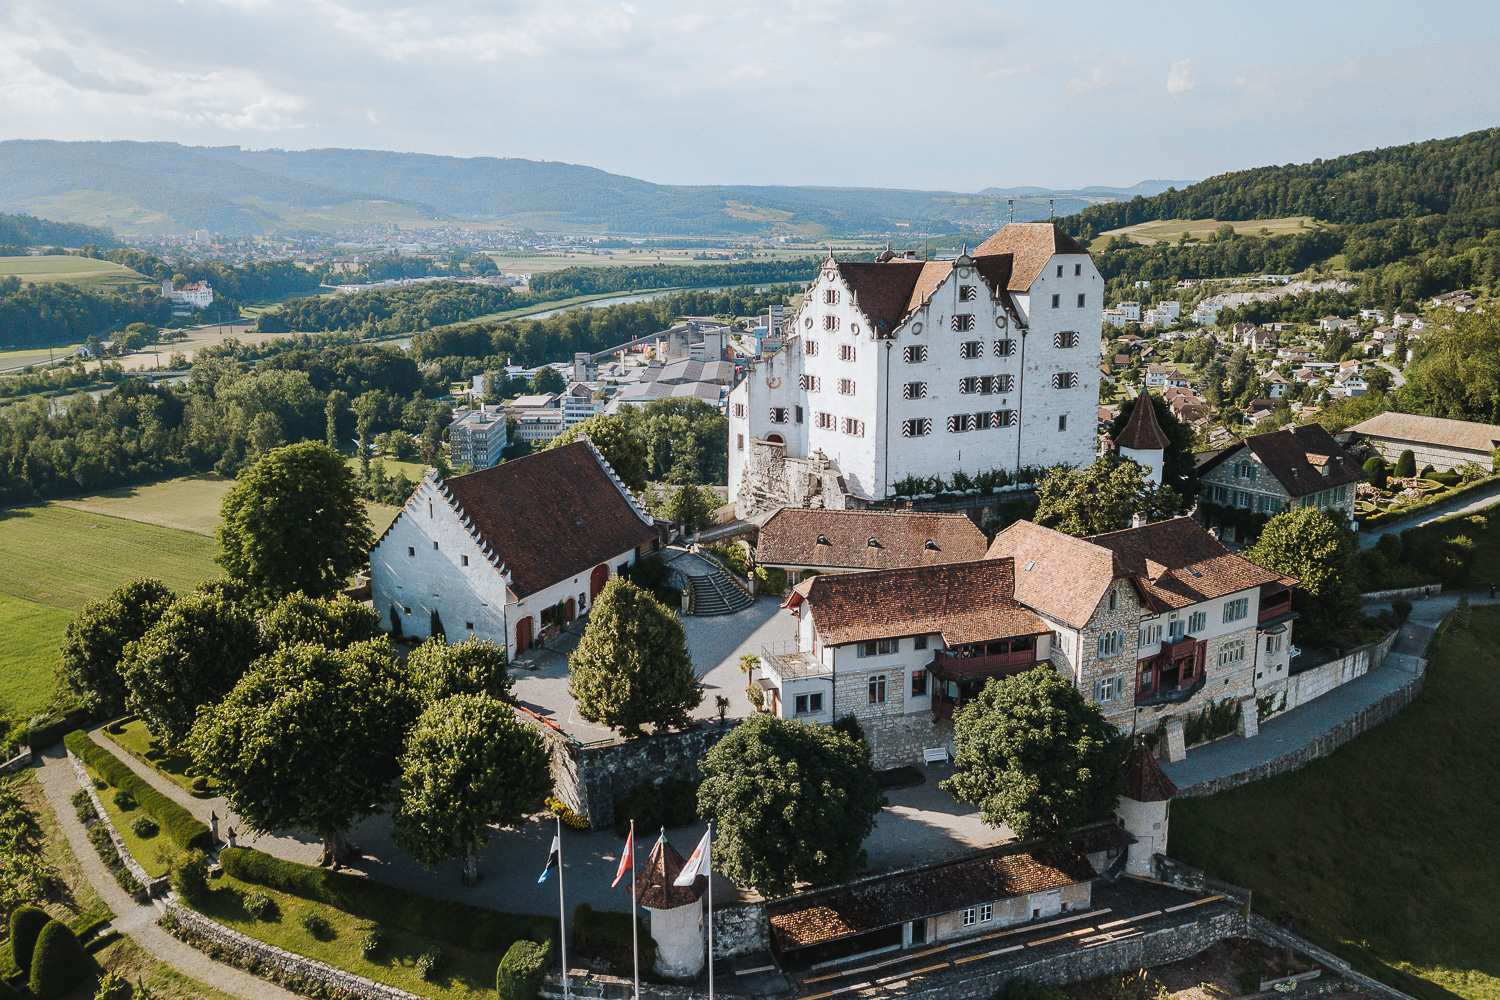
pixel 510 551
pixel 902 368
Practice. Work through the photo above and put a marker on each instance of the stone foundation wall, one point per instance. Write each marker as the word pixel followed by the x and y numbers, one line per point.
pixel 1303 687
pixel 16 763
pixel 260 958
pixel 741 930
pixel 591 780
pixel 900 739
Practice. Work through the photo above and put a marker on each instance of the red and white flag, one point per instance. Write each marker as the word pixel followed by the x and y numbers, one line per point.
pixel 627 858
pixel 698 864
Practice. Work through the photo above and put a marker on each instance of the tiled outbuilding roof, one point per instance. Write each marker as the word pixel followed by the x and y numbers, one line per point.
pixel 1145 781
pixel 866 539
pixel 1060 576
pixel 964 602
pixel 1178 563
pixel 887 901
pixel 1438 431
pixel 1142 432
pixel 1298 458
pixel 551 515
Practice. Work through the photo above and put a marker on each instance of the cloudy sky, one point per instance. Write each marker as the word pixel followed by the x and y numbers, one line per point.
pixel 952 94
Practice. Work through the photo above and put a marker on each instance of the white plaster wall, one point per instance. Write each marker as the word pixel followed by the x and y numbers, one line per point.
pixel 1150 462
pixel 680 951
pixel 431 578
pixel 1147 823
pixel 1042 444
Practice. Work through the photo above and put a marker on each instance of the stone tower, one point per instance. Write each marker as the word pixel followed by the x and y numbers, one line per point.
pixel 676 912
pixel 1144 809
pixel 1143 440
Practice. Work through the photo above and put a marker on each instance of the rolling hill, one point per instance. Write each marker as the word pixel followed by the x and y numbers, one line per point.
pixel 165 187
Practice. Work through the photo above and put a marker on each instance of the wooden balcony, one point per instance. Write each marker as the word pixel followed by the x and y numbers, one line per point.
pixel 1281 604
pixel 991 665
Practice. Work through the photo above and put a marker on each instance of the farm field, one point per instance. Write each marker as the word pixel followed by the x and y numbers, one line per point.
pixel 532 263
pixel 187 504
pixel 1171 230
pixel 21 357
pixel 26 660
pixel 1388 851
pixel 85 272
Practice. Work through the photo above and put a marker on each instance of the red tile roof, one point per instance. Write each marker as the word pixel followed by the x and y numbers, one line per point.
pixel 882 291
pixel 1030 246
pixel 964 602
pixel 654 881
pixel 1060 576
pixel 1142 432
pixel 1145 781
pixel 887 901
pixel 791 537
pixel 1178 562
pixel 551 515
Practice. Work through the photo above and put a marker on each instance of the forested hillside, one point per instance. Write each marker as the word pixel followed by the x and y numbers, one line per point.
pixel 29 231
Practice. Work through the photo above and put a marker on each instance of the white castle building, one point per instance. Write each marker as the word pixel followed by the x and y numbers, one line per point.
pixel 902 367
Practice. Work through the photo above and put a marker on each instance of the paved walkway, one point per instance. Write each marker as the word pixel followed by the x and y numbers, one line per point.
pixel 1466 504
pixel 1299 727
pixel 136 920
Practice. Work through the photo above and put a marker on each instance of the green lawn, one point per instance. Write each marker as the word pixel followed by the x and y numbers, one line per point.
pixel 470 975
pixel 29 653
pixel 23 356
pixel 86 272
pixel 153 853
pixel 1388 851
pixel 189 504
pixel 138 743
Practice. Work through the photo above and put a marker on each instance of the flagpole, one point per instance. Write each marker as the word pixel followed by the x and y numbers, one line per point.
pixel 562 910
pixel 635 945
pixel 710 914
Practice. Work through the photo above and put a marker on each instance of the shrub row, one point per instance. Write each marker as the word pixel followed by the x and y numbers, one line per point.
pixel 57 726
pixel 184 829
pixel 461 924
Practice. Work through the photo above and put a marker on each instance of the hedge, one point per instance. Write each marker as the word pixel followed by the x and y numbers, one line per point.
pixel 8 992
pixel 474 927
pixel 26 923
pixel 59 963
pixel 186 831
pixel 58 726
pixel 522 971
pixel 605 937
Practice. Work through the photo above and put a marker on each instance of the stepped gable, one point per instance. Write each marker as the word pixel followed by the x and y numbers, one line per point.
pixel 654 886
pixel 551 515
pixel 1142 432
pixel 866 539
pixel 963 602
pixel 1145 781
pixel 1030 245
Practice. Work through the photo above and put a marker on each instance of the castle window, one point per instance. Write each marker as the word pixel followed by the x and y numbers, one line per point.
pixel 969 384
pixel 830 322
pixel 1077 270
pixel 739 444
pixel 919 683
pixel 854 428
pixel 464 560
pixel 1059 270
pixel 1111 642
pixel 810 348
pixel 1056 301
pixel 1197 621
pixel 846 387
pixel 1067 338
pixel 1062 422
pixel 916 354
pixel 1064 380
pixel 830 296
pixel 1005 348
pixel 963 322
pixel 1114 600
pixel 810 383
pixel 914 390
pixel 916 427
pixel 971 349
pixel 799 413
pixel 411 550
pixel 877 689
pixel 1231 652
pixel 1005 418
pixel 846 352
pixel 739 410
pixel 967 293
pixel 1108 689
pixel 824 421
pixel 1235 610
pixel 778 414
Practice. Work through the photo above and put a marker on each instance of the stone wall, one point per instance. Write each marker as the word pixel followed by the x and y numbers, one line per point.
pixel 267 960
pixel 1325 744
pixel 1303 687
pixel 591 780
pixel 741 930
pixel 16 763
pixel 1266 932
pixel 1372 596
pixel 150 884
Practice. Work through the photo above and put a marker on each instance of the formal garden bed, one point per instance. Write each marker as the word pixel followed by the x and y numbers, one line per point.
pixel 130 735
pixel 1388 495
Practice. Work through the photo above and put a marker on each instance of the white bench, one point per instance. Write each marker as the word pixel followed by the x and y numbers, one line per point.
pixel 935 755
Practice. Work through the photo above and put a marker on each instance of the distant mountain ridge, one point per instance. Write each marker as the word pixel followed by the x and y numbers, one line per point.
pixel 136 185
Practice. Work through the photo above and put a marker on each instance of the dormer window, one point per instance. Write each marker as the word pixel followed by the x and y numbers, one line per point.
pixel 872 543
pixel 930 546
pixel 823 540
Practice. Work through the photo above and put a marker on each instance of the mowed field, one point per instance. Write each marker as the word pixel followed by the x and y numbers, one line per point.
pixel 1387 852
pixel 530 263
pixel 21 357
pixel 85 272
pixel 1171 230
pixel 62 555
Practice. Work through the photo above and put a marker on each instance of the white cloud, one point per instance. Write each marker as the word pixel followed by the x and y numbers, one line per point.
pixel 1180 78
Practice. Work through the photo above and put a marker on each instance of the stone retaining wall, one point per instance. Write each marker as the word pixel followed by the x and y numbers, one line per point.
pixel 1266 932
pixel 16 763
pixel 741 930
pixel 1390 595
pixel 259 958
pixel 1372 715
pixel 591 780
pixel 151 886
pixel 1303 687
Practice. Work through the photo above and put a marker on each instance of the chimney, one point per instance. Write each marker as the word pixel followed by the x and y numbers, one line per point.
pixel 1138 519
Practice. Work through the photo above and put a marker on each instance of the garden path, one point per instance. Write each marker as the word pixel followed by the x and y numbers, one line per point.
pixel 135 920
pixel 1466 504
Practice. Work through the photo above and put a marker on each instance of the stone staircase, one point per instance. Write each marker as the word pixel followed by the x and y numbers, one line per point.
pixel 716 594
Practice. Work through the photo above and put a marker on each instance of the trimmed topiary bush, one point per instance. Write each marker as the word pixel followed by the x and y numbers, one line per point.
pixel 522 970
pixel 190 876
pixel 26 923
pixel 1406 465
pixel 200 786
pixel 124 801
pixel 58 964
pixel 185 830
pixel 144 827
pixel 432 962
pixel 317 925
pixel 260 906
pixel 372 944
